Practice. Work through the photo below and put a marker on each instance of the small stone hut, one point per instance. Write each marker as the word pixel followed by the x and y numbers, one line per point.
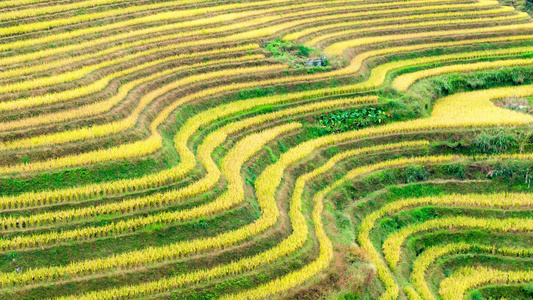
pixel 316 62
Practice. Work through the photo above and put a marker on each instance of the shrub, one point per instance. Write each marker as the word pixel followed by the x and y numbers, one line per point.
pixel 303 51
pixel 414 173
pixel 354 119
pixel 494 142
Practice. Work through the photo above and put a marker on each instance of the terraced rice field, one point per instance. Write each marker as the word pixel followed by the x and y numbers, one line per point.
pixel 182 149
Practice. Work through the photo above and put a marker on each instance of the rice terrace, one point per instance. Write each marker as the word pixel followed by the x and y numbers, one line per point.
pixel 266 149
